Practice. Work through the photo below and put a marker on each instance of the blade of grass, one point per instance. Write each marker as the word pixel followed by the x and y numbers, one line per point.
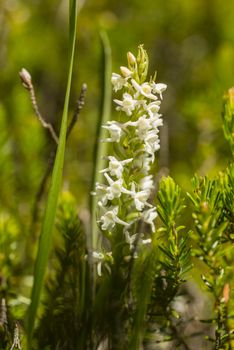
pixel 104 116
pixel 49 215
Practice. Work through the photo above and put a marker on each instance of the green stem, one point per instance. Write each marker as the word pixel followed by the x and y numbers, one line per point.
pixel 104 116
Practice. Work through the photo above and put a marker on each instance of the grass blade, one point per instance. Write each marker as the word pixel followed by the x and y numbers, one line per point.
pixel 104 116
pixel 51 205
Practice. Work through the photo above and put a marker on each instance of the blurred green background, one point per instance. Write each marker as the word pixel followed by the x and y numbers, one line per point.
pixel 190 44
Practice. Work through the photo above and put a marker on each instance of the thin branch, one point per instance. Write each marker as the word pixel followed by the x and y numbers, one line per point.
pixel 27 83
pixel 16 339
pixel 79 105
pixel 3 314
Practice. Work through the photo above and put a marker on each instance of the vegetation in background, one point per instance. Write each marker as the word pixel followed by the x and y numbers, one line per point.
pixel 150 266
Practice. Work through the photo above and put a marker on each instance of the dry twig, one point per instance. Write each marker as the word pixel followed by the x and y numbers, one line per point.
pixel 16 339
pixel 27 83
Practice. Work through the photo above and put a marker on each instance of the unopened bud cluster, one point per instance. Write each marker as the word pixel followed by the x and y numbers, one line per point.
pixel 123 197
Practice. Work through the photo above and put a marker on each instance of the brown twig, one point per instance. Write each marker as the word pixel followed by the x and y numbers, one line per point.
pixel 3 313
pixel 79 105
pixel 16 339
pixel 27 83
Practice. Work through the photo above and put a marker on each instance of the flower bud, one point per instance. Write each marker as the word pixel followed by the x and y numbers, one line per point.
pixel 143 63
pixel 25 78
pixel 125 72
pixel 226 293
pixel 131 59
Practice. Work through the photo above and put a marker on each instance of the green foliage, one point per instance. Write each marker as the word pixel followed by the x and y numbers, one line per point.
pixel 172 265
pixel 5 161
pixel 176 250
pixel 228 119
pixel 213 218
pixel 227 200
pixel 169 196
pixel 64 323
pixel 145 268
pixel 213 202
pixel 155 279
pixel 131 302
pixel 9 237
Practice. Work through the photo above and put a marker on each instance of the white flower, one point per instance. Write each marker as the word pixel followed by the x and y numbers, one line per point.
pixel 115 187
pixel 147 160
pixel 140 198
pixel 131 239
pixel 110 192
pixel 110 218
pixel 98 255
pixel 145 89
pixel 114 130
pixel 99 258
pixel 153 108
pixel 148 217
pixel 156 122
pixel 102 191
pixel 127 105
pixel 159 88
pixel 116 167
pixel 146 241
pixel 143 126
pixel 143 163
pixel 152 143
pixel 146 183
pixel 118 81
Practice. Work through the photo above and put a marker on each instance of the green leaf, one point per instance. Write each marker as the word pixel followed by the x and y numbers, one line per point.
pixel 166 252
pixel 104 116
pixel 51 205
